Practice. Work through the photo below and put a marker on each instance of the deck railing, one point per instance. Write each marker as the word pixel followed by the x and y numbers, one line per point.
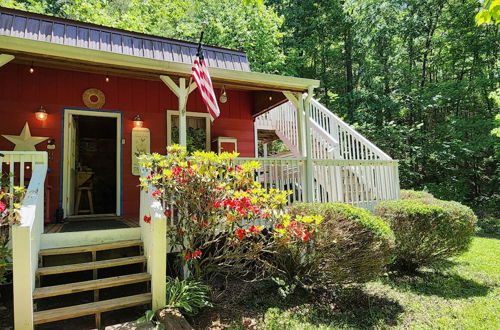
pixel 154 238
pixel 26 236
pixel 362 183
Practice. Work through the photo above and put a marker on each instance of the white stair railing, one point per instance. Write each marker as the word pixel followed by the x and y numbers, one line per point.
pixel 26 236
pixel 333 139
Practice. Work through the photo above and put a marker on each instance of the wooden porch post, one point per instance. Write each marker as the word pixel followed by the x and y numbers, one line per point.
pixel 182 92
pixel 5 58
pixel 304 137
pixel 306 104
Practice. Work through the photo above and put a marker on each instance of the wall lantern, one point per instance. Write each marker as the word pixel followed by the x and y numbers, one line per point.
pixel 223 96
pixel 32 68
pixel 41 114
pixel 138 121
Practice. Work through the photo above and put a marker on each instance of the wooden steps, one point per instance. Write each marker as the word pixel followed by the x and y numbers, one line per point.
pixel 57 290
pixel 90 308
pixel 60 289
pixel 90 265
pixel 90 248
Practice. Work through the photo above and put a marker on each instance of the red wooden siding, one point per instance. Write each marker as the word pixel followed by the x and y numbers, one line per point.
pixel 21 93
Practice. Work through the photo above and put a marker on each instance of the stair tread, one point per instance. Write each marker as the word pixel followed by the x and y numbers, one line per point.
pixel 69 312
pixel 90 265
pixel 90 248
pixel 57 290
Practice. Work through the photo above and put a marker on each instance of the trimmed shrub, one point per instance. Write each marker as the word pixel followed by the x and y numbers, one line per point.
pixel 427 230
pixel 350 245
pixel 413 194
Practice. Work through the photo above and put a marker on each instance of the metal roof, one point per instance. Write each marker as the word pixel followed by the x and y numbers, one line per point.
pixel 20 24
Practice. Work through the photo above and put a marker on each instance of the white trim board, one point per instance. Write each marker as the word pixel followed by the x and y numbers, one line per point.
pixel 67 119
pixel 171 113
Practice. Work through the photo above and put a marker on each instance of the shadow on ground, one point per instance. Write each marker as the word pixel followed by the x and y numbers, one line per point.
pixel 242 305
pixel 437 283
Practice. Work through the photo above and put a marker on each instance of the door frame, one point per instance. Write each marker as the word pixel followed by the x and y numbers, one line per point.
pixel 66 116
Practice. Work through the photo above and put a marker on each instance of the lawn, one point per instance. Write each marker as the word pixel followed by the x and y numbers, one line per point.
pixel 463 293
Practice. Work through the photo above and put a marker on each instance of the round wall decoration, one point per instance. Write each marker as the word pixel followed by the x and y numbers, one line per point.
pixel 93 98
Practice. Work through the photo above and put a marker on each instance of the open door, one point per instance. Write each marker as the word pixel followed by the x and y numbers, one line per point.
pixel 70 150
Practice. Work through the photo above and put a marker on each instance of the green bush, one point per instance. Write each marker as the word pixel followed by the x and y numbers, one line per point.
pixel 189 296
pixel 427 230
pixel 350 246
pixel 413 194
pixel 488 226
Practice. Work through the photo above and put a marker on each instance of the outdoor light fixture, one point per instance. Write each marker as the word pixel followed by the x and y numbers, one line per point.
pixel 223 95
pixel 138 121
pixel 41 114
pixel 32 68
pixel 107 78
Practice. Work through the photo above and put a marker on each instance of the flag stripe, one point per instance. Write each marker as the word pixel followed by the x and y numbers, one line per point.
pixel 203 81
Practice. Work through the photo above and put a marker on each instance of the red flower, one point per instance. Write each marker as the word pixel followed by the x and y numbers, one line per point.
pixel 231 169
pixel 167 213
pixel 216 203
pixel 187 256
pixel 194 218
pixel 266 214
pixel 306 236
pixel 180 231
pixel 204 223
pixel 156 193
pixel 147 219
pixel 196 254
pixel 176 170
pixel 2 206
pixel 279 226
pixel 253 229
pixel 240 233
pixel 238 168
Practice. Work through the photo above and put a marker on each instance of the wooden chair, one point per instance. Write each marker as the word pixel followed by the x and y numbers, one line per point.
pixel 84 184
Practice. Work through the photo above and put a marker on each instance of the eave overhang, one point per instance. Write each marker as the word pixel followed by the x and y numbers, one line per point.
pixel 108 60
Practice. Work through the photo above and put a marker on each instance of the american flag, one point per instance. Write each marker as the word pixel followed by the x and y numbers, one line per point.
pixel 204 83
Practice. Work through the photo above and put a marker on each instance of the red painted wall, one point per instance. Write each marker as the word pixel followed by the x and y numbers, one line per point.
pixel 21 93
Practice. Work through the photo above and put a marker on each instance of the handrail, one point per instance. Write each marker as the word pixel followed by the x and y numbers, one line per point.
pixel 323 111
pixel 27 235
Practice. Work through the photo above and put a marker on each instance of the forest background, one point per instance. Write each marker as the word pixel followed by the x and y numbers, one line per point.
pixel 418 78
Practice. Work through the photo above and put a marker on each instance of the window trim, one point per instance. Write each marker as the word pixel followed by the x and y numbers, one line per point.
pixel 171 113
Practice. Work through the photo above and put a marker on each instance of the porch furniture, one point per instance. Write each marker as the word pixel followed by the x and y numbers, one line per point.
pixel 84 184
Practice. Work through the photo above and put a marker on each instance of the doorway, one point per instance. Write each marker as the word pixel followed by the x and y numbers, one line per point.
pixel 91 163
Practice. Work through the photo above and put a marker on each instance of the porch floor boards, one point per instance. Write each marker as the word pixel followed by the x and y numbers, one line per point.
pixel 51 228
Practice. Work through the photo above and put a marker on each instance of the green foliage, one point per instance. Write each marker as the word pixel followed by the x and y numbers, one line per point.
pixel 151 317
pixel 412 194
pixel 195 138
pixel 350 245
pixel 488 226
pixel 427 230
pixel 189 296
pixel 489 12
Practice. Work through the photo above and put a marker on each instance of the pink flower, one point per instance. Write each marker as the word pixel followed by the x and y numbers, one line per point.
pixel 2 206
pixel 147 219
pixel 238 168
pixel 156 193
pixel 240 233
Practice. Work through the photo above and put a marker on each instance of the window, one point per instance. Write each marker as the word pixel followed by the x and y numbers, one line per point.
pixel 198 130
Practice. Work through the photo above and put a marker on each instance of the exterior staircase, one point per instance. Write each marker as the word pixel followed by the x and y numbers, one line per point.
pixel 69 290
pixel 348 168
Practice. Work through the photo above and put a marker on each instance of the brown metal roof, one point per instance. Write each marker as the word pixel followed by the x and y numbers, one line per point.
pixel 20 24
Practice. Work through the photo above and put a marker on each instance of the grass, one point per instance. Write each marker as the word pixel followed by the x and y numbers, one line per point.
pixel 460 293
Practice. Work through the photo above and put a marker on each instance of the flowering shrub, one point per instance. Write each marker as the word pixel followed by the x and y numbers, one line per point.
pixel 347 245
pixel 214 206
pixel 10 204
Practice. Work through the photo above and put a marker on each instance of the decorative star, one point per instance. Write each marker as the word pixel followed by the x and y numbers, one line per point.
pixel 24 141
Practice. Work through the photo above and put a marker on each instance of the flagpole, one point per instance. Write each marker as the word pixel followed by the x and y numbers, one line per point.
pixel 199 54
